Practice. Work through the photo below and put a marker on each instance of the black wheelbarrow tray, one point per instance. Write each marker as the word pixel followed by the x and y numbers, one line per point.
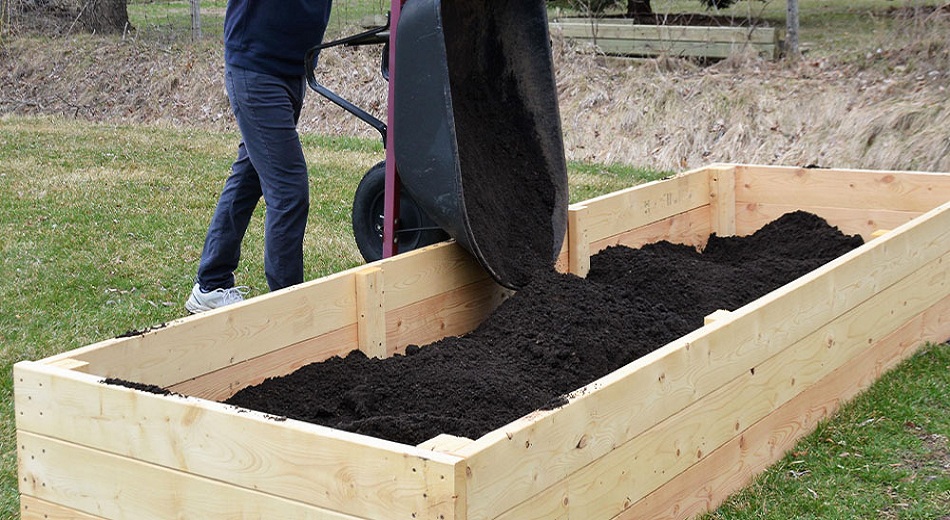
pixel 476 129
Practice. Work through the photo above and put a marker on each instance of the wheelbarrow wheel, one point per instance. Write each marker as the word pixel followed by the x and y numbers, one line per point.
pixel 415 228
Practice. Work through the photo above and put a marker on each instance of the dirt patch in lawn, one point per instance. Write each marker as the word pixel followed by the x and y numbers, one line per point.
pixel 553 337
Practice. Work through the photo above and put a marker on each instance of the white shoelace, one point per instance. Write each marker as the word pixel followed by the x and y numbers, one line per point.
pixel 234 294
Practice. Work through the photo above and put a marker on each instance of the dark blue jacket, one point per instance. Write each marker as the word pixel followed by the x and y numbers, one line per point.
pixel 272 36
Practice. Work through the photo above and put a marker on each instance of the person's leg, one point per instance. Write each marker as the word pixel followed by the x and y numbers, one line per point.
pixel 267 109
pixel 286 187
pixel 222 247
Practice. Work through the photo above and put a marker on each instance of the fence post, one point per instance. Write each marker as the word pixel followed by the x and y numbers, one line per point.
pixel 196 20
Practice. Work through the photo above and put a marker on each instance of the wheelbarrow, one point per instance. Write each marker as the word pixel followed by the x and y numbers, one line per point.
pixel 473 137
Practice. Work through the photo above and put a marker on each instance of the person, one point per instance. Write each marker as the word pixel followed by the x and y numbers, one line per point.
pixel 265 42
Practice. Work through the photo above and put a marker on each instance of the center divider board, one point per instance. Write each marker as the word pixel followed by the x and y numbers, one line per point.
pixel 198 439
pixel 550 445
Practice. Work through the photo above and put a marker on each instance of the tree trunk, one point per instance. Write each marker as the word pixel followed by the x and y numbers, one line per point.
pixel 103 16
pixel 639 7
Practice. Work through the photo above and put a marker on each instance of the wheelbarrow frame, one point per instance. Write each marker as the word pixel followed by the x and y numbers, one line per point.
pixel 373 36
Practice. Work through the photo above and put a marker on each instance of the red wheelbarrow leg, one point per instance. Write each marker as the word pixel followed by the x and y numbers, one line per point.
pixel 477 135
pixel 391 195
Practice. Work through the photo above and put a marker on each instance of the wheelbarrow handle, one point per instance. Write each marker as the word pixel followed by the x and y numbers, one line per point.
pixel 364 38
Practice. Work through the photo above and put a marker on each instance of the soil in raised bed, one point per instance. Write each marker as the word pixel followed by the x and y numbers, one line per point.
pixel 557 334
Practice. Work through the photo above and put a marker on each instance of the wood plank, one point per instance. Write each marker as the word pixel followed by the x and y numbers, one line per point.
pixel 322 467
pixel 578 241
pixel 619 212
pixel 720 314
pixel 606 486
pixel 32 508
pixel 199 344
pixel 196 345
pixel 840 188
pixel 690 228
pixel 445 443
pixel 679 48
pixel 750 217
pixel 722 200
pixel 222 384
pixel 678 374
pixel 371 308
pixel 450 313
pixel 426 272
pixel 97 483
pixel 705 485
pixel 623 29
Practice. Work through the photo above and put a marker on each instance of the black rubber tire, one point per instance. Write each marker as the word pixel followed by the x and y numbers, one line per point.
pixel 367 218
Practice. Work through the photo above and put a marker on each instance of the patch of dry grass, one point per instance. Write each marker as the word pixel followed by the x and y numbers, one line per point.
pixel 877 104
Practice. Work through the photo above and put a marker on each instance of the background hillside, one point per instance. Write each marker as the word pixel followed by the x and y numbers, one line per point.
pixel 871 91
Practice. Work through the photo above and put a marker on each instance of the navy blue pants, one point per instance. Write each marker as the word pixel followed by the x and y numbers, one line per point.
pixel 270 163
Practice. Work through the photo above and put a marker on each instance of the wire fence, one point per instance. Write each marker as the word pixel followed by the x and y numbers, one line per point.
pixel 164 20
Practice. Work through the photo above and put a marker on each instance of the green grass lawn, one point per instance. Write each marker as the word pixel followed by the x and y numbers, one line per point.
pixel 101 228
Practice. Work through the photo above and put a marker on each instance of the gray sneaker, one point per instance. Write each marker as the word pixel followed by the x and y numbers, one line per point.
pixel 201 301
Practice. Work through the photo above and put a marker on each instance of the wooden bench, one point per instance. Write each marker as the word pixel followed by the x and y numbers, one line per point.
pixel 626 38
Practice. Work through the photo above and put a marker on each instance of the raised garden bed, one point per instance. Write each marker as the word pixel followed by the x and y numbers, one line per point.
pixel 668 435
pixel 631 37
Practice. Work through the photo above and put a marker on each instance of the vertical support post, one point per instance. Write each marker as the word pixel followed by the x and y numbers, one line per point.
pixel 578 243
pixel 792 50
pixel 722 200
pixel 196 20
pixel 391 195
pixel 371 312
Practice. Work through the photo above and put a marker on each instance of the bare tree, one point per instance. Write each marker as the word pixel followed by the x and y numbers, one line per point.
pixel 104 16
pixel 95 16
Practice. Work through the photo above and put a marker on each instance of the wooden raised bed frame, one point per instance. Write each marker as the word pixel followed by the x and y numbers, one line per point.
pixel 627 38
pixel 667 436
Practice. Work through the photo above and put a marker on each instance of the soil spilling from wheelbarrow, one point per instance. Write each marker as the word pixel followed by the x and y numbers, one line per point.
pixel 557 334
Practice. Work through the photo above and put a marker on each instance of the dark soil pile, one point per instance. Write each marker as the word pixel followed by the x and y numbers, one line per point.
pixel 556 335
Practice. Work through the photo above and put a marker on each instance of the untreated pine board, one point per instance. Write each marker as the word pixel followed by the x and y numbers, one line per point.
pixel 678 48
pixel 624 210
pixel 838 188
pixel 98 483
pixel 651 40
pixel 607 486
pixel 430 271
pixel 676 375
pixel 751 217
pixel 221 384
pixel 691 228
pixel 728 469
pixel 209 341
pixel 290 459
pixel 691 33
pixel 722 200
pixel 371 308
pixel 578 241
pixel 32 508
pixel 454 312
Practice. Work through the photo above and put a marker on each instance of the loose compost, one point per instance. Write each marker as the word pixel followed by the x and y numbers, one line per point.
pixel 557 334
